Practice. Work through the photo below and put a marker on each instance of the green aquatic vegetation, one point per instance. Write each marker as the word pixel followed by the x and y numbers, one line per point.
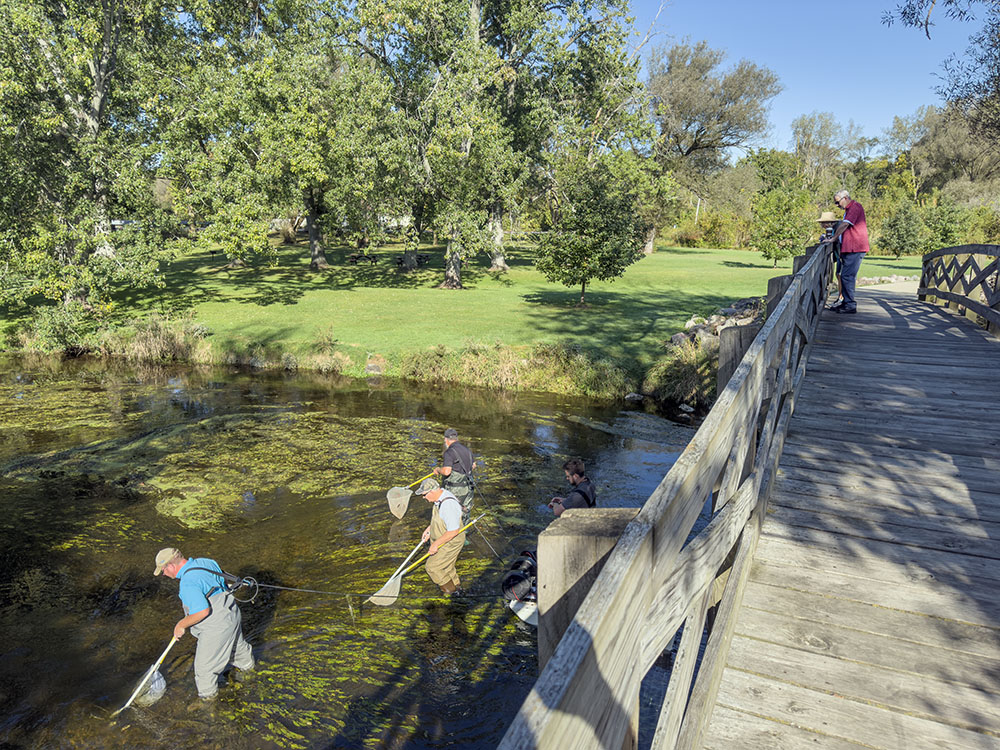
pixel 106 533
pixel 283 479
pixel 202 472
pixel 57 408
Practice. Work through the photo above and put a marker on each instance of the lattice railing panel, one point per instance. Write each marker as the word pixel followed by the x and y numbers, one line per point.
pixel 966 278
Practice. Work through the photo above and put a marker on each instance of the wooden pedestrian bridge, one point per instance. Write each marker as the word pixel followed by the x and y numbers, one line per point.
pixel 846 591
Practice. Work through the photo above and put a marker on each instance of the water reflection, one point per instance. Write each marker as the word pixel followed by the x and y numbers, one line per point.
pixel 282 477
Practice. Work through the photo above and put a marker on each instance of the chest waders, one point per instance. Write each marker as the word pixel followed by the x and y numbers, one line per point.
pixel 461 486
pixel 220 639
pixel 441 565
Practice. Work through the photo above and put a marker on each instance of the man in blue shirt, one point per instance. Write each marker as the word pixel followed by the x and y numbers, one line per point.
pixel 211 613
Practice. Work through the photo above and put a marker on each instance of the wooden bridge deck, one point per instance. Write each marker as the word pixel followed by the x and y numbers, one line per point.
pixel 872 614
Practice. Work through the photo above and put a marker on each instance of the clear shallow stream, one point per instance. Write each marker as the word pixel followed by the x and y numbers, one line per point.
pixel 282 477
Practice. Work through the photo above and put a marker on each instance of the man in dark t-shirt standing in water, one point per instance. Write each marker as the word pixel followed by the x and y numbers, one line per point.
pixel 583 494
pixel 456 468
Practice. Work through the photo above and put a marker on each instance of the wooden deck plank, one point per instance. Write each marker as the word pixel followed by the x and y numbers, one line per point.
pixel 946 704
pixel 941 504
pixel 946 602
pixel 913 480
pixel 877 618
pixel 938 537
pixel 979 443
pixel 853 358
pixel 894 651
pixel 906 394
pixel 872 726
pixel 731 729
pixel 955 422
pixel 886 559
pixel 856 486
pixel 937 409
pixel 934 460
pixel 900 471
pixel 882 514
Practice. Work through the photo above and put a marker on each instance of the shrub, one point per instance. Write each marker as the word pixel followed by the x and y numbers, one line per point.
pixel 63 328
pixel 903 231
pixel 686 375
pixel 946 224
pixel 686 234
pixel 154 339
pixel 781 226
pixel 330 364
pixel 719 229
pixel 555 368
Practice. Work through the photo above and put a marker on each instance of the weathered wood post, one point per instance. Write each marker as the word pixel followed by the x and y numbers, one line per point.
pixel 571 553
pixel 733 344
pixel 776 288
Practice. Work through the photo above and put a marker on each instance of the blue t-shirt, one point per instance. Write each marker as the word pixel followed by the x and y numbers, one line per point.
pixel 197 585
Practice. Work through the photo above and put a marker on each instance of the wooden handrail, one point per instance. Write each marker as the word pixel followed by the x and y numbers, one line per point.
pixel 965 278
pixel 656 581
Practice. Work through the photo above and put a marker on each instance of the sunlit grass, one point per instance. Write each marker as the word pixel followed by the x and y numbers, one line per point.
pixel 370 310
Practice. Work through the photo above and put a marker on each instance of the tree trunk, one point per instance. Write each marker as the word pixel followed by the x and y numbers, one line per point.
pixel 583 292
pixel 413 237
pixel 498 263
pixel 650 244
pixel 102 222
pixel 410 249
pixel 453 264
pixel 317 257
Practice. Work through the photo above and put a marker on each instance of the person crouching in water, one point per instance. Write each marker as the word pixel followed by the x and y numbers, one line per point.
pixel 447 538
pixel 583 494
pixel 211 613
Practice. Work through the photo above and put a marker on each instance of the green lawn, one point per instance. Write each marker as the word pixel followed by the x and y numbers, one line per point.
pixel 375 309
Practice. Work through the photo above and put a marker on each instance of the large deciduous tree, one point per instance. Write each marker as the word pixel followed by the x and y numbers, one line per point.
pixel 73 80
pixel 972 81
pixel 84 85
pixel 702 111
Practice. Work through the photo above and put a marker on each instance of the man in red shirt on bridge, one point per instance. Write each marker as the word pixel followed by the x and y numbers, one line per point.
pixel 853 246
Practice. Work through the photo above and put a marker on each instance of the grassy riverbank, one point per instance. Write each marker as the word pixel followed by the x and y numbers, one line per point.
pixel 511 330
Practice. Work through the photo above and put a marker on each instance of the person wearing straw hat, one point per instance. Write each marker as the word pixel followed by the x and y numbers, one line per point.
pixel 446 536
pixel 456 467
pixel 829 223
pixel 854 230
pixel 212 615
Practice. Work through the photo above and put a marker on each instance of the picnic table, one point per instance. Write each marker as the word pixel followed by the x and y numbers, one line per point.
pixel 354 258
pixel 422 259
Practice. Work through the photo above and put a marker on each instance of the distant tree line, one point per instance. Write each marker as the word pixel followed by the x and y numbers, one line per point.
pixel 930 180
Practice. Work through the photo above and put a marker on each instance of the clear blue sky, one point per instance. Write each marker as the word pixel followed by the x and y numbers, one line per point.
pixel 830 57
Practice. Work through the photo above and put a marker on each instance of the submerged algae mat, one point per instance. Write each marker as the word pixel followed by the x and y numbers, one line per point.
pixel 284 479
pixel 204 471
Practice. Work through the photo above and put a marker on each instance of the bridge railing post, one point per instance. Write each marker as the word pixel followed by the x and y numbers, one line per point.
pixel 571 554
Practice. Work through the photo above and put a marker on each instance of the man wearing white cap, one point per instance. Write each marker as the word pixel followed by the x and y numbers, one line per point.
pixel 446 535
pixel 211 613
